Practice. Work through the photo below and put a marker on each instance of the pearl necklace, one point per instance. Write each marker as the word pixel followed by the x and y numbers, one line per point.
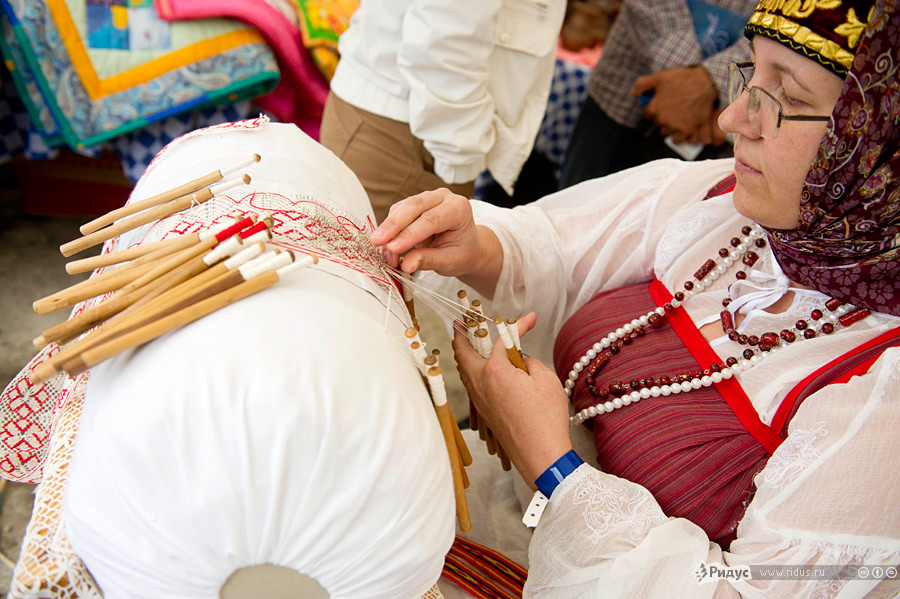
pixel 620 395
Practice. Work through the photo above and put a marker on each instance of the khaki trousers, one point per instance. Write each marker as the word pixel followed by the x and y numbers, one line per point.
pixel 389 161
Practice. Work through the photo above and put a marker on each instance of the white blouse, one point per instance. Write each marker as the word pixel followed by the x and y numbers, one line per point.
pixel 825 496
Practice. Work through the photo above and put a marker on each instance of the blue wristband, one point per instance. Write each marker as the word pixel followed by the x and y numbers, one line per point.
pixel 561 468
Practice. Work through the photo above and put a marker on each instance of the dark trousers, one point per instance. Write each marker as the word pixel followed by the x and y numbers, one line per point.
pixel 600 146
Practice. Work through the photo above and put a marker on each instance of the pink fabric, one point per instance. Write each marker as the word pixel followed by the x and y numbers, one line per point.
pixel 585 56
pixel 300 95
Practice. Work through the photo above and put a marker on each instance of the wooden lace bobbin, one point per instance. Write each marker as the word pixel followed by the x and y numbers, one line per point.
pixel 484 432
pixel 88 264
pixel 483 347
pixel 256 279
pixel 412 334
pixel 176 193
pixel 182 274
pixel 513 327
pixel 471 327
pixel 463 449
pixel 51 366
pixel 483 338
pixel 493 446
pixel 419 355
pixel 482 323
pixel 117 277
pixel 516 358
pixel 165 304
pixel 147 216
pixel 417 348
pixel 215 269
pixel 199 267
pixel 103 283
pixel 474 422
pixel 173 270
pixel 513 350
pixel 445 418
pixel 151 331
pixel 514 355
pixel 160 248
pixel 463 298
pixel 140 287
pixel 190 291
pixel 505 463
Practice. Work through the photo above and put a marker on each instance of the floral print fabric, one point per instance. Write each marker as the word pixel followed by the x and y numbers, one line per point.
pixel 846 244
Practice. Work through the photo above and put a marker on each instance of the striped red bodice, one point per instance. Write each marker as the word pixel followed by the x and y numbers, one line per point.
pixel 692 451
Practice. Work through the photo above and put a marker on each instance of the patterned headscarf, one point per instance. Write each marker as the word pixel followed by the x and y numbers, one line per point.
pixel 847 244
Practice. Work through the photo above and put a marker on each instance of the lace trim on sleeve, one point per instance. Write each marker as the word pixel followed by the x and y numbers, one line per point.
pixel 798 453
pixel 592 515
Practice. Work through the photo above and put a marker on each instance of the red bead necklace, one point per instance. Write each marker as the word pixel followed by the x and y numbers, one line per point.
pixel 620 393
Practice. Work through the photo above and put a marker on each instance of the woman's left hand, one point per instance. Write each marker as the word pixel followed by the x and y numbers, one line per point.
pixel 527 411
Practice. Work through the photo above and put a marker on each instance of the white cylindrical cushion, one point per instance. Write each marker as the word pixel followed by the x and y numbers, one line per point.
pixel 289 428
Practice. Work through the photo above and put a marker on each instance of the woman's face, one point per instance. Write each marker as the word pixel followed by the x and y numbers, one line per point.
pixel 771 172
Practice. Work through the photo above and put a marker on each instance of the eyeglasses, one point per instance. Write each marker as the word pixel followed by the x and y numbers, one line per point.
pixel 764 111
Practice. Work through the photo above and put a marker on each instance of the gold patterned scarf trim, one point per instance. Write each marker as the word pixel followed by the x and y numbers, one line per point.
pixel 816 46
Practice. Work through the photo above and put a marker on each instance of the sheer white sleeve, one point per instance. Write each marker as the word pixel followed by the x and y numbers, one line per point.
pixel 827 496
pixel 561 250
pixel 825 499
pixel 605 536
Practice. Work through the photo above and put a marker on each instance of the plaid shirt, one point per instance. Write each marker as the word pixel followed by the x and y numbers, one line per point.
pixel 648 37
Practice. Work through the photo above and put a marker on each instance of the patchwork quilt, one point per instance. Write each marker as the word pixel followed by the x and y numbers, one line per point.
pixel 91 70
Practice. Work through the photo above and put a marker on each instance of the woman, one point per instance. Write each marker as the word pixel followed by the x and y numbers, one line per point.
pixel 710 449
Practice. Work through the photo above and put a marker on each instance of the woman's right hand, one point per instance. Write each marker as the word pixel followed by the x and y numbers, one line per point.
pixel 438 232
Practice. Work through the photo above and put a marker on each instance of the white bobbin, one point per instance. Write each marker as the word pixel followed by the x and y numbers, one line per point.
pixel 245 255
pixel 264 236
pixel 226 248
pixel 242 164
pixel 249 271
pixel 513 326
pixel 226 185
pixel 302 262
pixel 503 331
pixel 436 384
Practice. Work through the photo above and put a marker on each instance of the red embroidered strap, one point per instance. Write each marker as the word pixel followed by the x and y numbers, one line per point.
pixel 730 389
pixel 482 572
pixel 840 370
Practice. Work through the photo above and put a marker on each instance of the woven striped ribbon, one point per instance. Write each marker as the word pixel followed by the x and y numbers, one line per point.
pixel 482 572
